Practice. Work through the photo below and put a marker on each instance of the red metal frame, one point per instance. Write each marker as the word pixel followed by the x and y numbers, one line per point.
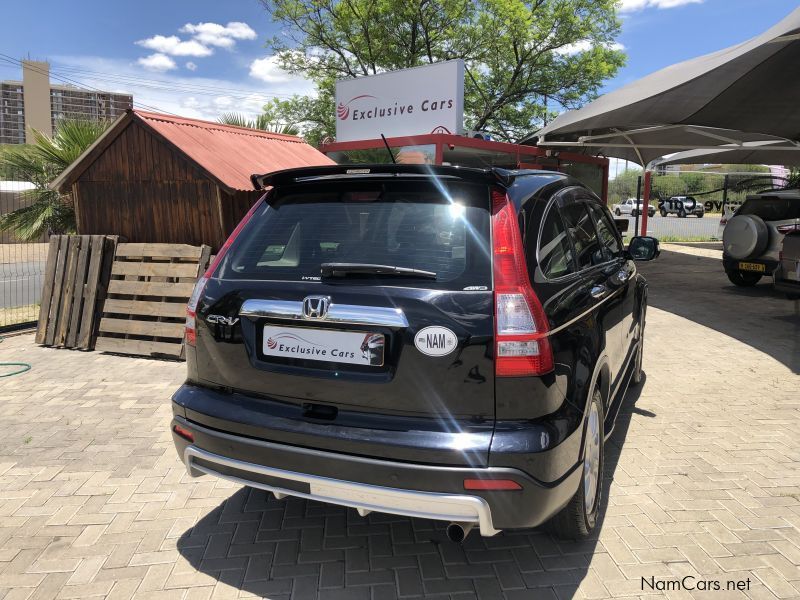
pixel 526 155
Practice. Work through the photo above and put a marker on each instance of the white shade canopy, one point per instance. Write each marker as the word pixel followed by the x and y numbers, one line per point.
pixel 752 90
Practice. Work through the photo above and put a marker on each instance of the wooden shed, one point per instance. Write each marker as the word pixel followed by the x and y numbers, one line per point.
pixel 158 178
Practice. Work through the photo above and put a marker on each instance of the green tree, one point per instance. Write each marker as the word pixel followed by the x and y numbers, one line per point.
pixel 262 122
pixel 524 58
pixel 623 186
pixel 47 212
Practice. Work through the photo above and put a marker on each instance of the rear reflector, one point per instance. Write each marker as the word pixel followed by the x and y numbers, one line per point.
pixel 184 433
pixel 522 347
pixel 491 484
pixel 190 330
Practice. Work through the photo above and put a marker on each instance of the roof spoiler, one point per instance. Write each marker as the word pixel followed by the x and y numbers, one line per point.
pixel 495 175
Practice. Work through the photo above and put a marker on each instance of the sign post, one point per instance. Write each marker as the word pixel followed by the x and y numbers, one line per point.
pixel 421 100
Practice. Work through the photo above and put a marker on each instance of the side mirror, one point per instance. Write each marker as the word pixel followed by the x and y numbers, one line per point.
pixel 643 248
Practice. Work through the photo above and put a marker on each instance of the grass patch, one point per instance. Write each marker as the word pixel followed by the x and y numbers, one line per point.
pixel 684 238
pixel 19 314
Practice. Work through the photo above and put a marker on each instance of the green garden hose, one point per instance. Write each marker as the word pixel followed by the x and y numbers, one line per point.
pixel 22 367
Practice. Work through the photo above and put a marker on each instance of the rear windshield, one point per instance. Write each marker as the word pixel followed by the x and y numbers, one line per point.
pixel 441 228
pixel 772 208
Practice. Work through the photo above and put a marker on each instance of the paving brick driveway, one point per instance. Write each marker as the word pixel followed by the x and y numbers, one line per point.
pixel 705 463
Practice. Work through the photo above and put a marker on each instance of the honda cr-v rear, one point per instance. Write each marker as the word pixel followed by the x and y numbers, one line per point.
pixel 436 342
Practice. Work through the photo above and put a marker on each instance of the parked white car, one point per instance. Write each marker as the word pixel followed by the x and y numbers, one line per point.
pixel 631 207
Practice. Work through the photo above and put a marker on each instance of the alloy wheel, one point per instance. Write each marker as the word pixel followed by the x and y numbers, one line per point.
pixel 591 459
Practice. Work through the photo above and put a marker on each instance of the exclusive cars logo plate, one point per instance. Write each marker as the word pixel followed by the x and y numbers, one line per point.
pixel 435 341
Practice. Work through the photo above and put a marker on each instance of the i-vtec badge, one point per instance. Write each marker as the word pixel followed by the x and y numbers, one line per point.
pixel 222 320
pixel 435 341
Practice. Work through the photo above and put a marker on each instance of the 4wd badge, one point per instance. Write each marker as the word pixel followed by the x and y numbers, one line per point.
pixel 435 341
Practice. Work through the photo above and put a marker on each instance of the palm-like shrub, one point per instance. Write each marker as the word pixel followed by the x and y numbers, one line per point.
pixel 261 122
pixel 40 163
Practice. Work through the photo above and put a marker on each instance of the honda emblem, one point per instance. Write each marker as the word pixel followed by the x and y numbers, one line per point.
pixel 316 307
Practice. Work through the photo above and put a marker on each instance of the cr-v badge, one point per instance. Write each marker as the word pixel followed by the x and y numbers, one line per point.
pixel 222 320
pixel 435 341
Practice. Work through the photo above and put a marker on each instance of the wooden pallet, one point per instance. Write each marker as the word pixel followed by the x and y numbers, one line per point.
pixel 76 269
pixel 145 308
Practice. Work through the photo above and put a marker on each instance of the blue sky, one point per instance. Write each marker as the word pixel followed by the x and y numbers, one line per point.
pixel 203 57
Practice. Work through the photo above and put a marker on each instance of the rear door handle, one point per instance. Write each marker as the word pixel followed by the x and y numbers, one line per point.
pixel 598 291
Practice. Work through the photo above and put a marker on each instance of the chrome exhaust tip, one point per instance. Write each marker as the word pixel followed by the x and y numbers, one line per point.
pixel 458 532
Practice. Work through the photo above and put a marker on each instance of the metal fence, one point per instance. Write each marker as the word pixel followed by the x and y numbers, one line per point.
pixel 21 262
pixel 688 205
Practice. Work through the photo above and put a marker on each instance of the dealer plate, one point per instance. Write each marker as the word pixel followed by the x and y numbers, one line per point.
pixel 325 345
pixel 746 266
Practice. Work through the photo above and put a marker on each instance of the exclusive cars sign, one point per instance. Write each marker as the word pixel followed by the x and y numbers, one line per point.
pixel 427 99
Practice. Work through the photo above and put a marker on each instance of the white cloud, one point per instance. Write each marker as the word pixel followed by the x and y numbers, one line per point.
pixel 583 46
pixel 191 66
pixel 267 69
pixel 634 5
pixel 180 92
pixel 175 46
pixel 223 36
pixel 157 62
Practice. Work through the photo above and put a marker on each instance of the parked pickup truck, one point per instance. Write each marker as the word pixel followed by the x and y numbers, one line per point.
pixel 632 207
pixel 683 206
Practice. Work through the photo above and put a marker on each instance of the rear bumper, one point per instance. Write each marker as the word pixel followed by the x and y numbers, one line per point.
pixel 370 484
pixel 783 283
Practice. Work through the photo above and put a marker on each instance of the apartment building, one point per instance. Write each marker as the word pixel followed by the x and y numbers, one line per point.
pixel 34 103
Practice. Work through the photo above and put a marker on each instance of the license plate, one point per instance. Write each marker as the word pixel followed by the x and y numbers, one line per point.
pixel 745 266
pixel 324 345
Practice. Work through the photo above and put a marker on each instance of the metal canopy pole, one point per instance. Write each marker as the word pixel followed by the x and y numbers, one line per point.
pixel 646 200
pixel 638 199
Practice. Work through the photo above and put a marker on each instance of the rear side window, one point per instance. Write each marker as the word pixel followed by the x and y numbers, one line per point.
pixel 555 251
pixel 772 209
pixel 588 248
pixel 415 225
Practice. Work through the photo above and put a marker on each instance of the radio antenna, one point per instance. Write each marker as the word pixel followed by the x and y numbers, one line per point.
pixel 389 150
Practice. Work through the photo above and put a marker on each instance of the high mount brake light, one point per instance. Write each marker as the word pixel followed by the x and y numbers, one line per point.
pixel 197 293
pixel 522 347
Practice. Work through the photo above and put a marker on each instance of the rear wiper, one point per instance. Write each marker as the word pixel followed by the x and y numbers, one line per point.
pixel 345 269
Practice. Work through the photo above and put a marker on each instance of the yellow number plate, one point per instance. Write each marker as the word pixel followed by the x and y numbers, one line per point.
pixel 743 266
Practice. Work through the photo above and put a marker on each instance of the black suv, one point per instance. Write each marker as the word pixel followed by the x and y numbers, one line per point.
pixel 437 342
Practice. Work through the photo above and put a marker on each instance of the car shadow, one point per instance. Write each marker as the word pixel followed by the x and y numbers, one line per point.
pixel 696 288
pixel 307 549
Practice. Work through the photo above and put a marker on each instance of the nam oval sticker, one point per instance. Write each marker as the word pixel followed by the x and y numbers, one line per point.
pixel 435 341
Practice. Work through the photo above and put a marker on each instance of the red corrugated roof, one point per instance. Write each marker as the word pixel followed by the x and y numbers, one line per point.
pixel 232 154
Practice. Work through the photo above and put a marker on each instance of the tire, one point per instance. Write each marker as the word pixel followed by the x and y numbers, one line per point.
pixel 634 213
pixel 575 521
pixel 638 374
pixel 663 212
pixel 700 215
pixel 682 214
pixel 745 236
pixel 618 212
pixel 743 278
pixel 793 296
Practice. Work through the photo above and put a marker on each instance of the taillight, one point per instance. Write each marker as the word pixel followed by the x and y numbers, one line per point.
pixel 197 293
pixel 522 347
pixel 787 229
